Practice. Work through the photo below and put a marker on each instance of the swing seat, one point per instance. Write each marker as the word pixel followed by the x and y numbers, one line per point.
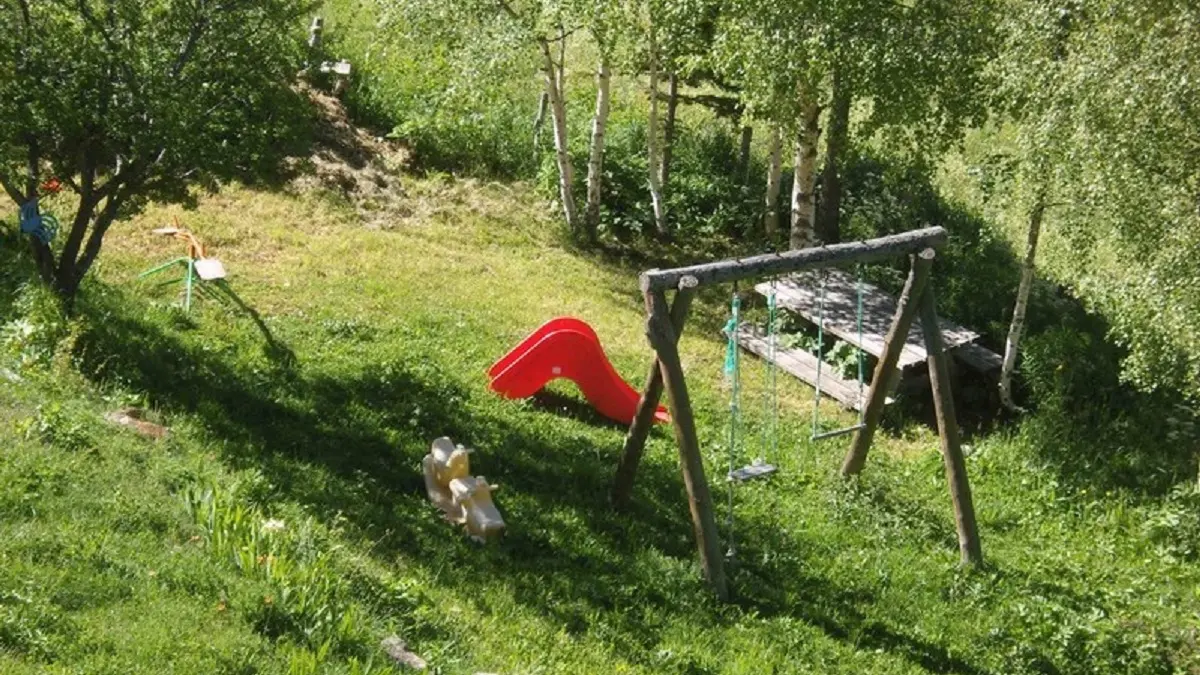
pixel 756 470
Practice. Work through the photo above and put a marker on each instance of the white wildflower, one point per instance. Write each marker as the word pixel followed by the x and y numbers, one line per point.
pixel 273 525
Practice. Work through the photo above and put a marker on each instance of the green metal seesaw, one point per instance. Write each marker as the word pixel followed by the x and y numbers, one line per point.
pixel 197 266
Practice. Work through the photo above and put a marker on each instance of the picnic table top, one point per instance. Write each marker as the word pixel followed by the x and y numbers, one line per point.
pixel 801 293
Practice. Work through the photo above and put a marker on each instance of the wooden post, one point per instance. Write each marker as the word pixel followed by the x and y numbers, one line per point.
pixel 906 310
pixel 662 337
pixel 643 420
pixel 943 402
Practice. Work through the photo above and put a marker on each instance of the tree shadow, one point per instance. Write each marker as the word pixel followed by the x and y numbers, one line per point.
pixel 844 614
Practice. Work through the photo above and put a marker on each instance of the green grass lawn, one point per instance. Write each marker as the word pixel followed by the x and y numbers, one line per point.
pixel 124 555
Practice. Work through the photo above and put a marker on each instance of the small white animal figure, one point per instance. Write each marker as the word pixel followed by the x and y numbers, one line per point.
pixel 445 463
pixel 474 495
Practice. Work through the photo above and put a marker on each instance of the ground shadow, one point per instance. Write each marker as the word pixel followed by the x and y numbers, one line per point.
pixel 352 443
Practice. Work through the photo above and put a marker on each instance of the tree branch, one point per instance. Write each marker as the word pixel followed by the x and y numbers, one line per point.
pixel 12 191
pixel 503 4
pixel 25 16
pixel 33 167
pixel 189 47
pixel 111 207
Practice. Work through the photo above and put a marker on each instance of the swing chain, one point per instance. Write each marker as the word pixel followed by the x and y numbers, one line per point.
pixel 816 435
pixel 732 372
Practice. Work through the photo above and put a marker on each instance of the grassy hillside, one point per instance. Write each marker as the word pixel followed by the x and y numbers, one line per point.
pixel 313 405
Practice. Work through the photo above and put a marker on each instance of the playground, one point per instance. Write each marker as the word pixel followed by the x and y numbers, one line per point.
pixel 316 419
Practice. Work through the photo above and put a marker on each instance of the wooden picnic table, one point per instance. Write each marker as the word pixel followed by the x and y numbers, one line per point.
pixel 801 293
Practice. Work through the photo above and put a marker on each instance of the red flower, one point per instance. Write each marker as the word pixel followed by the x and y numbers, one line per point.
pixel 51 185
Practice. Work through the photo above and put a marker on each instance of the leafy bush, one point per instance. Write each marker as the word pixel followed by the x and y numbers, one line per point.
pixel 1096 428
pixel 36 328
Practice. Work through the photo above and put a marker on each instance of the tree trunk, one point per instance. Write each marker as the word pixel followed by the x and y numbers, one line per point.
pixel 539 121
pixel 803 209
pixel 558 114
pixel 669 131
pixel 774 167
pixel 596 155
pixel 836 143
pixel 1017 327
pixel 652 149
pixel 743 165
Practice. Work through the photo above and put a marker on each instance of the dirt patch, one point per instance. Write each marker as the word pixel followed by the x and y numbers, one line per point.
pixel 361 166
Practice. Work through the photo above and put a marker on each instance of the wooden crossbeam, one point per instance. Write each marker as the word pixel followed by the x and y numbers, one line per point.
pixel 775 264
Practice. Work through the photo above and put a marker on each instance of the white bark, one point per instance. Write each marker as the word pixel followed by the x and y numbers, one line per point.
pixel 596 154
pixel 804 213
pixel 652 150
pixel 558 114
pixel 1017 327
pixel 774 168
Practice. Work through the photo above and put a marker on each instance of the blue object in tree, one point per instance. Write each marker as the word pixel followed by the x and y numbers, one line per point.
pixel 36 224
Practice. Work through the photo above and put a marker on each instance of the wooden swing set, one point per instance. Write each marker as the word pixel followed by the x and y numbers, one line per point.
pixel 665 322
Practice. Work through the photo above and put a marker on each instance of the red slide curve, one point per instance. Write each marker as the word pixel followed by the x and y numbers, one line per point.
pixel 567 347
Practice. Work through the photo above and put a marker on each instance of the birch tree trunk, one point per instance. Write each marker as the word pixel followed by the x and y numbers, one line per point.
pixel 558 114
pixel 652 149
pixel 596 154
pixel 1015 330
pixel 669 131
pixel 539 121
pixel 829 227
pixel 743 165
pixel 803 232
pixel 774 168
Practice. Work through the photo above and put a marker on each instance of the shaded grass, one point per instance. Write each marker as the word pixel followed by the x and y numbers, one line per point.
pixel 385 337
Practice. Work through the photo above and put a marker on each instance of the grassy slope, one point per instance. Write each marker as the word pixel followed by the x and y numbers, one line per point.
pixel 377 343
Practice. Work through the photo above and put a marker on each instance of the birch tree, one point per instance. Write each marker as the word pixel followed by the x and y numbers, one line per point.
pixel 653 156
pixel 1105 97
pixel 774 169
pixel 595 177
pixel 1017 326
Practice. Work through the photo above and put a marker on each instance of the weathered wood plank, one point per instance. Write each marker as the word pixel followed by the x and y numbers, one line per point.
pixel 801 293
pixel 918 276
pixel 799 363
pixel 777 264
pixel 978 357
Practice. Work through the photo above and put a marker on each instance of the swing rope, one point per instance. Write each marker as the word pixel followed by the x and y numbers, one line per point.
pixel 732 376
pixel 816 434
pixel 771 429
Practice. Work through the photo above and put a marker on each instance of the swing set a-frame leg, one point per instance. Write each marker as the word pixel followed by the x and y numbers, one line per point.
pixel 704 524
pixel 643 420
pixel 906 310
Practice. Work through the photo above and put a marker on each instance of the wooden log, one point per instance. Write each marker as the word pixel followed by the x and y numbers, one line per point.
pixel 643 420
pixel 662 337
pixel 906 310
pixel 952 456
pixel 774 264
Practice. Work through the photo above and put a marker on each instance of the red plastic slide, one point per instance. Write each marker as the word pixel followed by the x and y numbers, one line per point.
pixel 567 347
